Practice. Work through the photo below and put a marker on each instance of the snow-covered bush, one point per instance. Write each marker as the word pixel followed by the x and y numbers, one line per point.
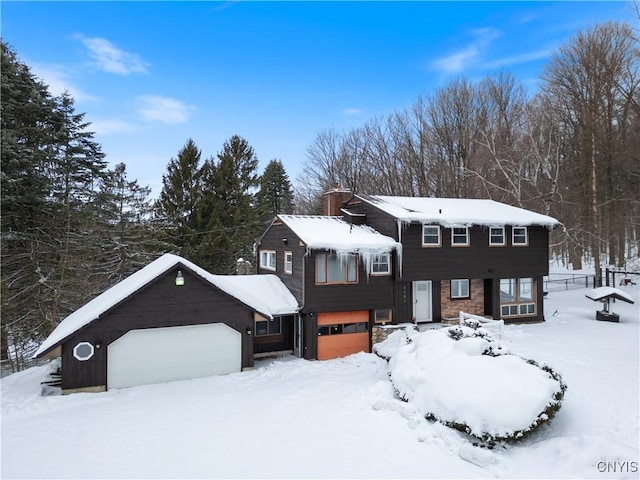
pixel 462 377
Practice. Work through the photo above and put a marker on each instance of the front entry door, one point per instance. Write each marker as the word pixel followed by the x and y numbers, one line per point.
pixel 422 308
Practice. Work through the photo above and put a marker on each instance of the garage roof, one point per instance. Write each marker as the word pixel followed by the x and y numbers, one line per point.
pixel 266 294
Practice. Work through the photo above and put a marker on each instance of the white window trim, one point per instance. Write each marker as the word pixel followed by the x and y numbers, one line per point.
pixel 439 244
pixel 83 358
pixel 387 318
pixel 388 271
pixel 466 235
pixel 504 237
pixel 288 265
pixel 518 303
pixel 458 296
pixel 265 255
pixel 526 237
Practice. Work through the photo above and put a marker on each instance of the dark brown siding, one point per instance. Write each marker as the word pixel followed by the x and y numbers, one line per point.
pixel 478 260
pixel 281 238
pixel 159 304
pixel 276 343
pixel 371 292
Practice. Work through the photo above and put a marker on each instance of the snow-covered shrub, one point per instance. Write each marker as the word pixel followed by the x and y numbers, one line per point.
pixel 462 377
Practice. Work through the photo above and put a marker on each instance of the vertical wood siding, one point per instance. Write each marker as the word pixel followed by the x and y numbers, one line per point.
pixel 159 304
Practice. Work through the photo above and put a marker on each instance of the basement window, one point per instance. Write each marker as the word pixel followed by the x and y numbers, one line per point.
pixel 460 288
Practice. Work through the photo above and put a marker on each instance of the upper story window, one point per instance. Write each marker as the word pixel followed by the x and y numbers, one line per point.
pixel 381 264
pixel 331 268
pixel 460 288
pixel 288 262
pixel 460 236
pixel 519 236
pixel 430 236
pixel 496 236
pixel 268 259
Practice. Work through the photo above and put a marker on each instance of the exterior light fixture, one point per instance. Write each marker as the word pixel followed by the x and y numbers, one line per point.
pixel 249 331
pixel 179 278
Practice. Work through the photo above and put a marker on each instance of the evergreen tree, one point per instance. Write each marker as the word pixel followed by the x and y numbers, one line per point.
pixel 178 202
pixel 227 212
pixel 276 194
pixel 26 131
pixel 129 238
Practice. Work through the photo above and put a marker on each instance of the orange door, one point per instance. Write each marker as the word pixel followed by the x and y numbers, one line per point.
pixel 342 333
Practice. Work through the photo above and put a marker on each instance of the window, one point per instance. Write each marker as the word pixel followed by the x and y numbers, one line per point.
pixel 83 351
pixel 268 259
pixel 381 264
pixel 460 236
pixel 519 236
pixel 517 297
pixel 268 326
pixel 496 236
pixel 331 268
pixel 460 288
pixel 343 328
pixel 382 315
pixel 288 262
pixel 430 236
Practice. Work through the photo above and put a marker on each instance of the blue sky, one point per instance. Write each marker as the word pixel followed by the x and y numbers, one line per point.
pixel 149 75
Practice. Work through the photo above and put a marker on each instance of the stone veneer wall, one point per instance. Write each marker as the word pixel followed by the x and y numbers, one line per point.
pixel 379 333
pixel 452 307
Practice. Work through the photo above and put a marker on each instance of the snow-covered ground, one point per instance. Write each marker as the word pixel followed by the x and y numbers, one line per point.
pixel 292 418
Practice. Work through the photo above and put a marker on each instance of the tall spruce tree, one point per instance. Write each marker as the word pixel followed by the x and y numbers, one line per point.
pixel 227 214
pixel 179 199
pixel 129 237
pixel 27 114
pixel 276 194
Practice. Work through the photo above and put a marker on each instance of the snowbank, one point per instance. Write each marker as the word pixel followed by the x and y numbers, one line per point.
pixel 463 378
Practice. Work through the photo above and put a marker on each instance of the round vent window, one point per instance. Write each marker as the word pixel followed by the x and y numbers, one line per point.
pixel 83 351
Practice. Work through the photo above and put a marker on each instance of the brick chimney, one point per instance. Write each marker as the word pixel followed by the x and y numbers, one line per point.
pixel 334 199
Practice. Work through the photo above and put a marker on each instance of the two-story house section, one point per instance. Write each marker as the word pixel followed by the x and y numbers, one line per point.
pixel 342 274
pixel 479 256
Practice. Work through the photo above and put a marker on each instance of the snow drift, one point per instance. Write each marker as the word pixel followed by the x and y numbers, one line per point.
pixel 461 377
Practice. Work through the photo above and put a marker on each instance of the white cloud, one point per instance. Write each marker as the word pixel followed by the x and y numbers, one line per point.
pixel 163 109
pixel 57 79
pixel 470 54
pixel 111 126
pixel 517 59
pixel 352 112
pixel 107 57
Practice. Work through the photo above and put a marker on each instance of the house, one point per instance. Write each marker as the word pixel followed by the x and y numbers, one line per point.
pixel 171 320
pixel 374 260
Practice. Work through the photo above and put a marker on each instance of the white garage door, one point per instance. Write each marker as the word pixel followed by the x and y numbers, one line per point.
pixel 157 355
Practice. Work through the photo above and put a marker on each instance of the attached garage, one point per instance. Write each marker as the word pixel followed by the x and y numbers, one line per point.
pixel 171 320
pixel 157 355
pixel 342 333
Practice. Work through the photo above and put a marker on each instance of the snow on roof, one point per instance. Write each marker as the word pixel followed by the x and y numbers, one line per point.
pixel 457 211
pixel 602 293
pixel 333 233
pixel 264 293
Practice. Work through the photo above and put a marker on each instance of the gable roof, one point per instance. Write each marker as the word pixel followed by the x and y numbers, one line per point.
pixel 266 294
pixel 454 212
pixel 333 233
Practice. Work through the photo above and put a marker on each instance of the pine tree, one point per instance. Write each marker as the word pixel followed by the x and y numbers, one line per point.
pixel 129 238
pixel 179 199
pixel 227 212
pixel 276 194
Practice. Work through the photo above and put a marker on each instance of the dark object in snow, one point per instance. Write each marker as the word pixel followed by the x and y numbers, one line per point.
pixel 604 295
